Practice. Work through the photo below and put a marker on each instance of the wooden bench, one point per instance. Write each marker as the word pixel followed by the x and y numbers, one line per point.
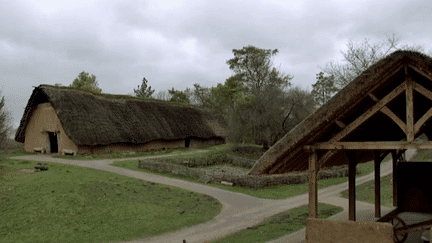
pixel 39 150
pixel 69 152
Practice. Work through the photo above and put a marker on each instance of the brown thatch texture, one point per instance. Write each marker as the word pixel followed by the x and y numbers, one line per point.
pixel 90 119
pixel 288 154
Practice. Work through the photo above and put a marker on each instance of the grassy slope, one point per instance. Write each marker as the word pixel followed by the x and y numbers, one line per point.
pixel 75 204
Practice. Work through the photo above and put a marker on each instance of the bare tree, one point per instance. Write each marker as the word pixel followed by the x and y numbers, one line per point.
pixel 360 56
pixel 162 95
pixel 5 124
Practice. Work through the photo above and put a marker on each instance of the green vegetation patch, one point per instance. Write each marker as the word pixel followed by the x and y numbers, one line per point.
pixel 280 225
pixel 74 204
pixel 366 191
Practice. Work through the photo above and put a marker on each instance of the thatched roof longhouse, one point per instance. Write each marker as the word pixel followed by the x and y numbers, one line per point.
pixel 102 119
pixel 288 154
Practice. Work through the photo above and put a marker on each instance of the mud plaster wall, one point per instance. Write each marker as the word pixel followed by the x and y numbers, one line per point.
pixel 196 142
pixel 327 231
pixel 43 120
pixel 154 145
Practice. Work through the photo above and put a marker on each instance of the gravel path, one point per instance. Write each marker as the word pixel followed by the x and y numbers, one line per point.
pixel 239 211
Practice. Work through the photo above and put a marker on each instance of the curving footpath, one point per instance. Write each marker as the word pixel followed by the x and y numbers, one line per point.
pixel 239 211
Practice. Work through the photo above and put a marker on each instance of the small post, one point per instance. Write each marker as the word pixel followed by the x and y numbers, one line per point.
pixel 351 185
pixel 313 184
pixel 394 158
pixel 377 184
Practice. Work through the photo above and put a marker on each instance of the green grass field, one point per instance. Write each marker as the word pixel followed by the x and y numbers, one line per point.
pixel 279 225
pixel 66 201
pixel 74 204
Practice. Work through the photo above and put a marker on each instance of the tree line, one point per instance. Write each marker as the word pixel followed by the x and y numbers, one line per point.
pixel 259 103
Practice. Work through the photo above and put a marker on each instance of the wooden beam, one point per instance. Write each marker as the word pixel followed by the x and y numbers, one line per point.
pixel 422 90
pixel 365 116
pixel 422 121
pixel 428 76
pixel 409 109
pixel 391 115
pixel 340 124
pixel 394 180
pixel 351 185
pixel 390 145
pixel 313 184
pixel 377 184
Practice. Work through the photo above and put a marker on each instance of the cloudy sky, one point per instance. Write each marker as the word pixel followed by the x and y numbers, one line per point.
pixel 179 43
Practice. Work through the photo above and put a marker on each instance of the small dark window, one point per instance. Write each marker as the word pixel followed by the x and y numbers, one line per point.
pixel 53 142
pixel 187 142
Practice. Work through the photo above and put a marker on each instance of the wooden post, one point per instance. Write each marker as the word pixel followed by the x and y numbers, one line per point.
pixel 409 107
pixel 351 185
pixel 377 184
pixel 394 158
pixel 313 184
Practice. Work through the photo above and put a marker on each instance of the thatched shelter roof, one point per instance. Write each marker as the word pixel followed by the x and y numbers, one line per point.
pixel 288 154
pixel 102 119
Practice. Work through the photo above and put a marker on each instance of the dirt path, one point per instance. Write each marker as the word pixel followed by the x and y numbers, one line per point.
pixel 239 211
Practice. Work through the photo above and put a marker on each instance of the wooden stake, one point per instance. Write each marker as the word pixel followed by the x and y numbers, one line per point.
pixel 394 158
pixel 377 184
pixel 313 184
pixel 351 185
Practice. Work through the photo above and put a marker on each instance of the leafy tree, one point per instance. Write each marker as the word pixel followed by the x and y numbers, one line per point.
pixel 298 104
pixel 87 82
pixel 254 67
pixel 256 114
pixel 178 96
pixel 201 95
pixel 5 124
pixel 361 55
pixel 323 89
pixel 224 97
pixel 143 91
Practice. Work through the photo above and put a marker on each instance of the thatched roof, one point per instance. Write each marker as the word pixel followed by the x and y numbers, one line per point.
pixel 288 154
pixel 102 119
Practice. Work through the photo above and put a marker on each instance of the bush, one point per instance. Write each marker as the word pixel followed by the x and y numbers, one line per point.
pixel 247 150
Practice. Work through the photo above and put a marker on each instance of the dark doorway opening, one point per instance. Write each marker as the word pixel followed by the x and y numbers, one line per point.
pixel 187 142
pixel 53 142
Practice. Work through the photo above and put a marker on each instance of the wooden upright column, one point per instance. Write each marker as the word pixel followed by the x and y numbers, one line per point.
pixel 377 184
pixel 394 158
pixel 351 185
pixel 313 184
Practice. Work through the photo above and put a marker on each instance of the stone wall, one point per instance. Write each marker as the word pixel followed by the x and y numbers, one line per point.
pixel 243 180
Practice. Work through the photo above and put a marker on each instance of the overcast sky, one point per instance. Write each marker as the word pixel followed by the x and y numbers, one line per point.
pixel 179 43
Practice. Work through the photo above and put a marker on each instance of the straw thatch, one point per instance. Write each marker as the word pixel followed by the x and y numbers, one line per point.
pixel 103 119
pixel 288 154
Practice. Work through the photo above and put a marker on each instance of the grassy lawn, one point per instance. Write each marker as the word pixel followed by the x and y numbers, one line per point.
pixel 280 225
pixel 365 192
pixel 74 204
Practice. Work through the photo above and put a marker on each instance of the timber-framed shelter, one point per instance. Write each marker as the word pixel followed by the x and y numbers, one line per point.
pixel 382 111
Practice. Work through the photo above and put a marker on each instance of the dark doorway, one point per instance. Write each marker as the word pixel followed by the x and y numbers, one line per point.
pixel 187 142
pixel 53 142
